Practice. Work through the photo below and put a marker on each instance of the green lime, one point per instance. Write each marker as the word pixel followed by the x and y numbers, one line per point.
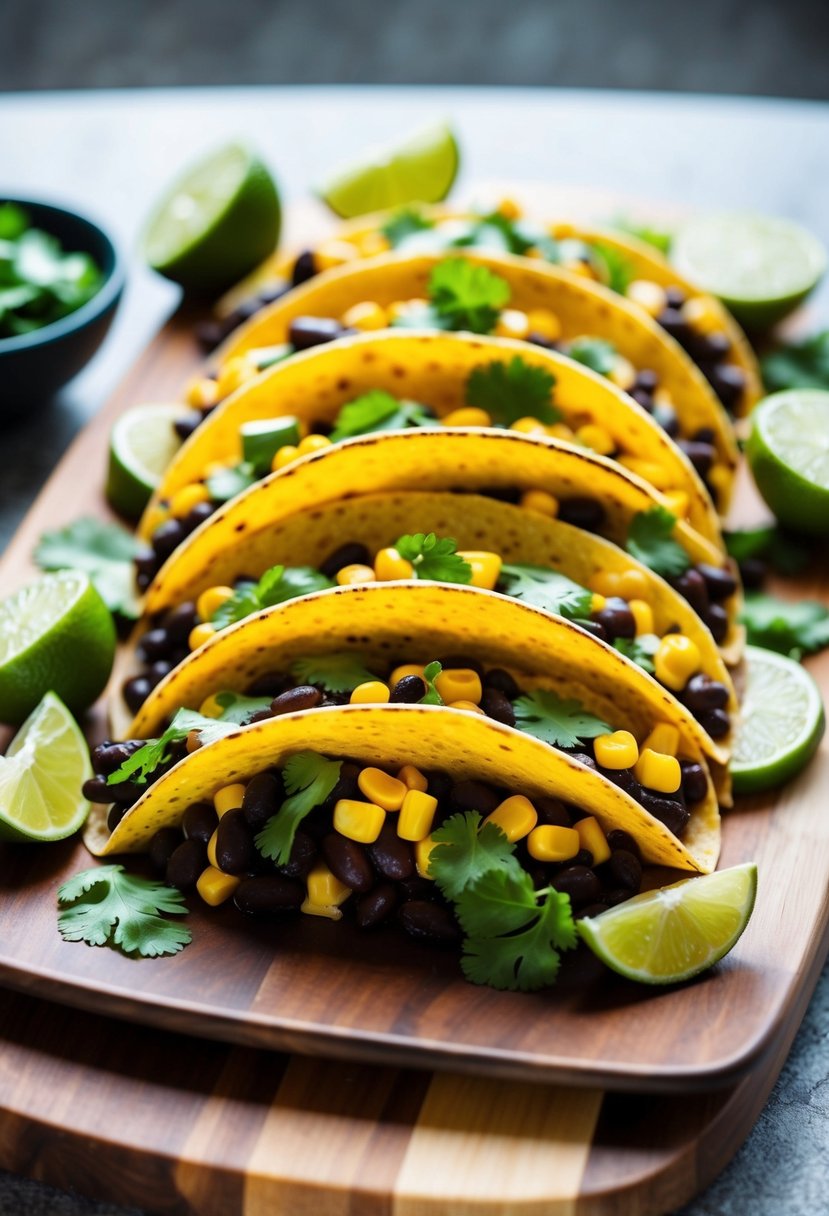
pixel 56 634
pixel 141 446
pixel 219 221
pixel 761 267
pixel 781 722
pixel 41 776
pixel 420 169
pixel 788 453
pixel 670 935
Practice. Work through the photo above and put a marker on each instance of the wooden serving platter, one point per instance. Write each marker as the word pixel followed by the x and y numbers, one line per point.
pixel 326 989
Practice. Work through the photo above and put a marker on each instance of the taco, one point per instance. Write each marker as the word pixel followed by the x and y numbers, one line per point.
pixel 393 381
pixel 506 296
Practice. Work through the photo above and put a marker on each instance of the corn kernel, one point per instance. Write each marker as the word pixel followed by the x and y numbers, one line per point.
pixel 719 478
pixel 211 849
pixel 360 821
pixel 606 582
pixel 470 706
pixel 210 707
pixel 677 502
pixel 579 267
pixel 412 778
pixel 649 470
pixel 540 501
pixel 597 602
pixel 459 684
pixel 486 567
pixel 200 634
pixel 468 415
pixel 658 772
pixel 284 456
pixel 367 315
pixel 372 243
pixel 186 498
pixel 529 426
pixel 325 888
pixel 509 208
pixel 593 839
pixel 633 585
pixel 389 565
pixel 544 323
pixel 327 910
pixel 676 660
pixel 202 392
pixel 642 615
pixel 515 816
pixel 334 253
pixel 623 373
pixel 372 692
pixel 232 375
pixel 228 798
pixel 406 669
pixel 211 600
pixel 215 887
pixel 663 738
pixel 313 443
pixel 512 323
pixel 647 295
pixel 423 850
pixel 416 815
pixel 381 788
pixel 616 750
pixel 350 575
pixel 549 843
pixel 702 315
pixel 596 438
pixel 559 430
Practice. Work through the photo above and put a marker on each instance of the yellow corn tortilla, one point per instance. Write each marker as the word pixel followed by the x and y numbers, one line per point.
pixel 428 736
pixel 430 368
pixel 582 306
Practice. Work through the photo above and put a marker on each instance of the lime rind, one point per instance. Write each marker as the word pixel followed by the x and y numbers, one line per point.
pixel 142 445
pixel 788 453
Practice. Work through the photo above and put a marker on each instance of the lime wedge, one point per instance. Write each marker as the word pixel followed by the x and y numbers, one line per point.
pixel 666 936
pixel 41 776
pixel 420 169
pixel 788 453
pixel 781 722
pixel 760 267
pixel 219 220
pixel 141 446
pixel 56 634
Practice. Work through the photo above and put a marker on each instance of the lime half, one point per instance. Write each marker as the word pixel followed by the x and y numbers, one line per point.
pixel 41 776
pixel 788 453
pixel 420 169
pixel 219 220
pixel 142 444
pixel 781 722
pixel 761 267
pixel 57 634
pixel 664 937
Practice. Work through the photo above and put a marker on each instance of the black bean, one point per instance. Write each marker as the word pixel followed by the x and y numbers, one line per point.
pixel 304 268
pixel 594 628
pixel 704 434
pixel 209 334
pixel 616 896
pixel 418 888
pixel 162 846
pixel 540 340
pixel 626 869
pixel 392 857
pixel 197 515
pixel 691 586
pixel 268 893
pixel 146 564
pixel 583 858
pixel 498 706
pixel 667 810
pixel 263 796
pixel 186 864
pixel 347 860
pixel 753 572
pixel 668 419
pixel 674 322
pixel 154 644
pixel 200 821
pixel 440 787
pixel 616 619
pixel 701 455
pixel 717 346
pixel 313 331
pixel 167 537
pixel 728 382
pixel 694 781
pixel 590 910
pixel 408 691
pixel 95 789
pixel 674 297
pixel 643 397
pixel 475 796
pixel 376 906
pixel 303 857
pixel 234 843
pixel 503 682
pixel 585 513
pixel 701 693
pixel 114 816
pixel 158 670
pixel 715 722
pixel 720 582
pixel 617 839
pixel 107 757
pixel 462 661
pixel 186 423
pixel 429 922
pixel 580 883
pixel 346 786
pixel 646 379
pixel 552 812
pixel 351 554
pixel 304 696
pixel 716 618
pixel 128 792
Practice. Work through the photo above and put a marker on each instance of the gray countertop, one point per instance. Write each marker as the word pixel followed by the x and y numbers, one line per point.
pixel 110 153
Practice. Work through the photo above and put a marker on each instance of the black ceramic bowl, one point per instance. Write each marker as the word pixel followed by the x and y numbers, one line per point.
pixel 34 366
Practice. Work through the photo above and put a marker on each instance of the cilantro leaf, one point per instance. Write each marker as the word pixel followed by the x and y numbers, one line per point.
pixel 659 238
pixel 276 586
pixel 595 353
pixel 237 708
pixel 650 541
pixel 786 553
pixel 639 650
pixel 309 779
pixel 430 673
pixel 617 267
pixel 333 672
pixel 155 752
pixel 559 721
pixel 512 941
pixel 509 391
pixel 546 589
pixel 378 411
pixel 108 907
pixel 467 852
pixel 798 364
pixel 104 551
pixel 434 557
pixel 225 484
pixel 403 224
pixel 792 628
pixel 467 296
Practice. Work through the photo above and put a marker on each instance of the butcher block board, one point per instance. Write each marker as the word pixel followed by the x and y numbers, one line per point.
pixel 326 989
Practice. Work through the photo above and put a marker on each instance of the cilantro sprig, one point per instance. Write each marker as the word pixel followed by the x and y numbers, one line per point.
pixel 104 551
pixel 276 586
pixel 225 484
pixel 595 353
pixel 650 540
pixel 509 391
pixel 430 673
pixel 639 650
pixel 333 672
pixel 546 589
pixel 559 721
pixel 659 238
pixel 788 554
pixel 155 753
pixel 798 364
pixel 795 628
pixel 434 557
pixel 618 270
pixel 469 848
pixel 403 224
pixel 309 779
pixel 465 295
pixel 107 906
pixel 378 410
